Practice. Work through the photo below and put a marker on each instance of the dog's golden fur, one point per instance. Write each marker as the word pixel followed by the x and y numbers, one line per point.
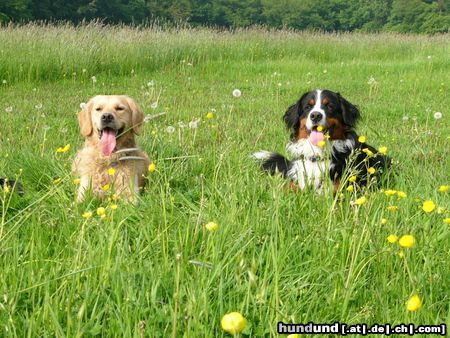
pixel 91 165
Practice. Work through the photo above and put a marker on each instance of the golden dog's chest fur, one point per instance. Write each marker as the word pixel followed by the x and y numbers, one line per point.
pixel 130 164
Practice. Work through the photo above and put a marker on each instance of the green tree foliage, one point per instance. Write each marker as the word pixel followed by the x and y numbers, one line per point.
pixel 418 16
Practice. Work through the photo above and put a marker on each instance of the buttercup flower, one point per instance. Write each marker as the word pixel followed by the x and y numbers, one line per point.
pixel 382 150
pixel 151 167
pixel 447 220
pixel 6 189
pixel 392 239
pixel 362 139
pixel 367 151
pixel 352 179
pixel 237 93
pixel 64 149
pixel 87 214
pixel 406 241
pixel 111 171
pixel 392 208
pixel 319 128
pixel 106 187
pixel 76 181
pixel 360 201
pixel 384 221
pixel 350 188
pixel 113 206
pixel 210 115
pixel 100 211
pixel 401 194
pixel 211 226
pixel 443 188
pixel 428 206
pixel 414 303
pixel 57 180
pixel 401 254
pixel 371 170
pixel 233 322
pixel 321 143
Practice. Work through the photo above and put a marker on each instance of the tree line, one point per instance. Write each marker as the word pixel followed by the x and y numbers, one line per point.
pixel 415 16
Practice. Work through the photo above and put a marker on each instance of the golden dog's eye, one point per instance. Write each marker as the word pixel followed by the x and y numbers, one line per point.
pixel 120 108
pixel 98 109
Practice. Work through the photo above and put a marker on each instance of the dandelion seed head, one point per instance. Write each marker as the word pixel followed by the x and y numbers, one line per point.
pixel 9 109
pixel 170 129
pixel 237 93
pixel 437 115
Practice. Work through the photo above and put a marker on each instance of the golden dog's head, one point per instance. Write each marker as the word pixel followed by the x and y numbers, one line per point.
pixel 110 121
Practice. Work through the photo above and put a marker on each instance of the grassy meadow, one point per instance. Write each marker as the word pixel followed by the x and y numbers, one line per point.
pixel 153 269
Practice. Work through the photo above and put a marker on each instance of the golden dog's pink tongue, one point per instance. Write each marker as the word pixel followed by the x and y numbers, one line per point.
pixel 315 137
pixel 108 141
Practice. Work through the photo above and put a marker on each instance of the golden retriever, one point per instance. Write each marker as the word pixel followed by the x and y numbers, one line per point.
pixel 110 161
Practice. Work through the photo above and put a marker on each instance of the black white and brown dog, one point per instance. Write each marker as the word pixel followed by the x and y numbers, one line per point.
pixel 317 116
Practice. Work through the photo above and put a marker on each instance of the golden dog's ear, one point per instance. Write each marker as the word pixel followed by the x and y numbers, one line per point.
pixel 84 118
pixel 137 115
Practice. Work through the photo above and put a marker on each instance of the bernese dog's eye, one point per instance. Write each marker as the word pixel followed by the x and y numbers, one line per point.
pixel 330 106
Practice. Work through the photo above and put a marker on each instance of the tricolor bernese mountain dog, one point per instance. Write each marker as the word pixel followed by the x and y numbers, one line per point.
pixel 323 137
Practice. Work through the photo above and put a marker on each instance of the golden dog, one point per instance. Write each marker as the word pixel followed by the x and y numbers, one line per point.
pixel 110 161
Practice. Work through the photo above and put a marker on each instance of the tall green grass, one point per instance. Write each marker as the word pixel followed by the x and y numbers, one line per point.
pixel 152 269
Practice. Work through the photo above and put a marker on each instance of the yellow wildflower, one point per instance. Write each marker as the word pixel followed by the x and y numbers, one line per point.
pixel 362 139
pixel 233 322
pixel 360 201
pixel 319 128
pixel 64 149
pixel 321 143
pixel 210 115
pixel 106 187
pixel 367 151
pixel 414 303
pixel 392 208
pixel 382 150
pixel 151 167
pixel 114 197
pixel 443 188
pixel 111 171
pixel 350 188
pixel 87 214
pixel 440 210
pixel 371 170
pixel 428 206
pixel 352 179
pixel 384 221
pixel 211 226
pixel 390 192
pixel 392 239
pixel 447 220
pixel 100 211
pixel 401 254
pixel 6 188
pixel 76 181
pixel 401 194
pixel 327 136
pixel 57 180
pixel 407 241
pixel 113 206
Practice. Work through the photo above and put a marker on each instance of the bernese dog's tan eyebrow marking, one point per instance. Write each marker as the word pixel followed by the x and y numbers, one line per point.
pixel 325 101
pixel 312 102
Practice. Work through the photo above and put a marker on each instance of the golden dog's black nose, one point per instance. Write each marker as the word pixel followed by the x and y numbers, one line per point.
pixel 107 117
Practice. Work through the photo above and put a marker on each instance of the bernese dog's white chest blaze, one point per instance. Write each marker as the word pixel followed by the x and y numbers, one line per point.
pixel 308 164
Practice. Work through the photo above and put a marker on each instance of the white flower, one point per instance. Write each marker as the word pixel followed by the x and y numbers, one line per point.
pixel 279 84
pixel 194 124
pixel 9 109
pixel 405 118
pixel 82 105
pixel 4 81
pixel 372 81
pixel 154 105
pixel 34 89
pixel 84 70
pixel 170 129
pixel 437 115
pixel 181 124
pixel 325 71
pixel 237 93
pixel 151 83
pixel 63 130
pixel 38 106
pixel 46 128
pixel 429 57
pixel 94 79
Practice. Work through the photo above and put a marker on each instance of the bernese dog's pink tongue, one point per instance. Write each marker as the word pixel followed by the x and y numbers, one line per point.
pixel 316 136
pixel 108 141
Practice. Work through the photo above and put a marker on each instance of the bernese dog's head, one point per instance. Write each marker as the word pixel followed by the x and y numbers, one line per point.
pixel 325 108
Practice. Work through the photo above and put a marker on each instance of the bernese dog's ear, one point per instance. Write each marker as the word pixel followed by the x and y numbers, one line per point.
pixel 292 116
pixel 350 112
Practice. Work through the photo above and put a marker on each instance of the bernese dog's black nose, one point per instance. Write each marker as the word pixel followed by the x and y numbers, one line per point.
pixel 316 116
pixel 107 117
